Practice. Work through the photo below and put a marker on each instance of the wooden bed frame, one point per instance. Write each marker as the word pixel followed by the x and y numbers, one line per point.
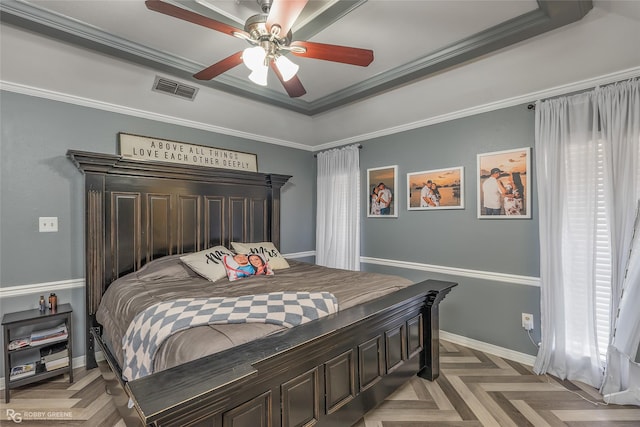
pixel 326 372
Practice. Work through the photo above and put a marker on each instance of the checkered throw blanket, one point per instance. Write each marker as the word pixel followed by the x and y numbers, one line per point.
pixel 150 328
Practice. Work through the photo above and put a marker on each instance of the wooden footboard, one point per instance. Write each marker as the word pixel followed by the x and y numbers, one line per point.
pixel 326 372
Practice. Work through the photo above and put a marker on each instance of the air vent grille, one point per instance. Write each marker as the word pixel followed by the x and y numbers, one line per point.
pixel 164 85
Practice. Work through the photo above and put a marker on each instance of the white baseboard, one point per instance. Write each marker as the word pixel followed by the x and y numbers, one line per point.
pixel 505 353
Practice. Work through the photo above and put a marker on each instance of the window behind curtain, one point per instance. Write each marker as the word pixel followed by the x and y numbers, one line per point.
pixel 603 259
pixel 586 194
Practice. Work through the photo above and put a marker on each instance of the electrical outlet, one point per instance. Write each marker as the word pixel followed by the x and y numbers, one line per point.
pixel 527 321
pixel 48 224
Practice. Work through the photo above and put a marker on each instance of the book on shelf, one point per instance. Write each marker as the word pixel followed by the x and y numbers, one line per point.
pixel 22 371
pixel 57 364
pixel 19 343
pixel 54 349
pixel 55 356
pixel 46 336
pixel 53 352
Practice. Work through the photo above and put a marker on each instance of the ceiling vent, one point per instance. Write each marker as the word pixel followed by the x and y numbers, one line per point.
pixel 174 88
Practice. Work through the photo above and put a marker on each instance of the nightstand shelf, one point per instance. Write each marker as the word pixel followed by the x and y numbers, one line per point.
pixel 32 320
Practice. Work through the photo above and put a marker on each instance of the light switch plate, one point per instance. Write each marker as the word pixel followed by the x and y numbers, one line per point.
pixel 48 224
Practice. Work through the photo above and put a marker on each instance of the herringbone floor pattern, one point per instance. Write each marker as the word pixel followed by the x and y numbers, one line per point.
pixel 474 389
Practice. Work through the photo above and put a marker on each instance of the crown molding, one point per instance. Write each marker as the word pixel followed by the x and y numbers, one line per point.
pixel 59 27
pixel 114 108
pixel 33 17
pixel 589 83
pixel 548 16
pixel 484 108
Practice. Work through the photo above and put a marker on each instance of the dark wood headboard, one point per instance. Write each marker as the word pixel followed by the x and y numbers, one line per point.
pixel 137 211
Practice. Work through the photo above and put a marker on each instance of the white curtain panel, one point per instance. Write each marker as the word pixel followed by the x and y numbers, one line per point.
pixel 566 150
pixel 338 208
pixel 619 108
pixel 588 174
pixel 622 381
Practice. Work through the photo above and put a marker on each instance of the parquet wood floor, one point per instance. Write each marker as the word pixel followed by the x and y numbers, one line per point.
pixel 474 389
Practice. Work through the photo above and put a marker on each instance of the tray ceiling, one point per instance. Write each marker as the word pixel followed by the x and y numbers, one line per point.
pixel 411 40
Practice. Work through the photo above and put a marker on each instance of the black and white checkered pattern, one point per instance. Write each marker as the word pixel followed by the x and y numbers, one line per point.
pixel 149 329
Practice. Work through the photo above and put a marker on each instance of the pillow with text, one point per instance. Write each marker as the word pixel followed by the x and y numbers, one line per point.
pixel 267 249
pixel 208 263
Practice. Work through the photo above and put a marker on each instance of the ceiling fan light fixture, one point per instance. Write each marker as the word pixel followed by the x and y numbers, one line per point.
pixel 286 67
pixel 253 57
pixel 259 75
pixel 269 34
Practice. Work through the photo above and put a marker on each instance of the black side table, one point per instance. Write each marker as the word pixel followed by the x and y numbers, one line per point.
pixel 37 320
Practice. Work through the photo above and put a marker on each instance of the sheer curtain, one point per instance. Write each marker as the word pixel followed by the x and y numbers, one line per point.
pixel 588 175
pixel 619 108
pixel 338 208
pixel 622 381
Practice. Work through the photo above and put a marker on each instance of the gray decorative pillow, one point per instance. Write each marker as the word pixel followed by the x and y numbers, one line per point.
pixel 165 268
pixel 208 263
pixel 267 249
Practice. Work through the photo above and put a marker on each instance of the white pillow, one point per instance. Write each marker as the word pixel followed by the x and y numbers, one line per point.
pixel 208 263
pixel 267 249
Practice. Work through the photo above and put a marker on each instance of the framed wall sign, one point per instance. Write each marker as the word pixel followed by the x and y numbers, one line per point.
pixel 382 186
pixel 504 184
pixel 436 189
pixel 146 148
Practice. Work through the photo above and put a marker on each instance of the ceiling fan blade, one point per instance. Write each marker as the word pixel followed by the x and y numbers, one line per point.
pixel 293 86
pixel 220 67
pixel 186 15
pixel 335 53
pixel 284 13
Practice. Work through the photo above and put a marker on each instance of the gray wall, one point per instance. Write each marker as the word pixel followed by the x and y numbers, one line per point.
pixel 480 309
pixel 36 179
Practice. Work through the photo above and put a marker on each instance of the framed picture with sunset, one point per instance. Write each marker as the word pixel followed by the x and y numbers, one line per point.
pixel 436 189
pixel 504 184
pixel 382 187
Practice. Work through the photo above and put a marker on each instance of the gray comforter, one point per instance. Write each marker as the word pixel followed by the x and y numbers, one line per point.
pixel 168 279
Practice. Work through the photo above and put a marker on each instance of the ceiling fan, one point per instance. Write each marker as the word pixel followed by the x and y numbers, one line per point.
pixel 270 35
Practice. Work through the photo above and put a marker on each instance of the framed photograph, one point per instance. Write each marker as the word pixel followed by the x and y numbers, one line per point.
pixel 504 184
pixel 436 189
pixel 382 186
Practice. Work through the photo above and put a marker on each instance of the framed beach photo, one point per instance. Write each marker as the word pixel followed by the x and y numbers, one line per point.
pixel 381 187
pixel 504 184
pixel 436 189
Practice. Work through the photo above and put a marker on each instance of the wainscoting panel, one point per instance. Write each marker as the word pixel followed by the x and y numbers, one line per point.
pixel 254 413
pixel 370 362
pixel 340 381
pixel 301 400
